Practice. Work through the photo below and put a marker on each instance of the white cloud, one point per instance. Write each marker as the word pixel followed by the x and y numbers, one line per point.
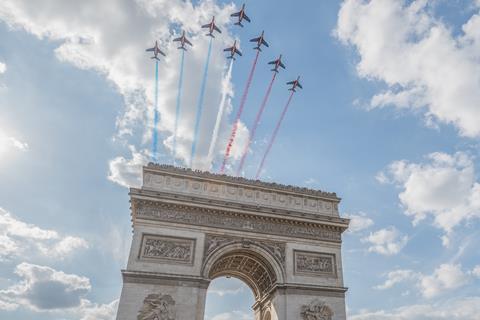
pixel 3 67
pixel 476 271
pixel 455 309
pixel 445 277
pixel 9 143
pixel 234 315
pixel 416 56
pixel 388 241
pixel 444 187
pixel 128 172
pixel 44 288
pixel 396 276
pixel 358 222
pixel 18 238
pixel 110 37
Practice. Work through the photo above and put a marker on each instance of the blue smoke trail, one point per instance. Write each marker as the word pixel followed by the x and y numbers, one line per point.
pixel 200 104
pixel 177 111
pixel 155 117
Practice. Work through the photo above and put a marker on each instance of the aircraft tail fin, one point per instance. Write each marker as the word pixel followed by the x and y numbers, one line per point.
pixel 275 70
pixel 210 35
pixel 239 24
pixel 258 48
pixel 156 58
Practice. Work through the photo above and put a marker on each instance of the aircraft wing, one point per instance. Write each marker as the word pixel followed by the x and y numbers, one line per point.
pixel 236 14
pixel 186 40
pixel 282 65
pixel 291 82
pixel 246 17
pixel 151 49
pixel 216 28
pixel 206 25
pixel 238 51
pixel 272 62
pixel 299 85
pixel 255 39
pixel 178 39
pixel 265 42
pixel 227 49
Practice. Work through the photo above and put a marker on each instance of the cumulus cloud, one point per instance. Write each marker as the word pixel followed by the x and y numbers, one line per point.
pixel 18 238
pixel 110 37
pixel 443 187
pixel 44 289
pixel 128 172
pixel 3 67
pixel 358 222
pixel 446 277
pixel 423 64
pixel 388 241
pixel 476 271
pixel 466 308
pixel 9 143
pixel 396 276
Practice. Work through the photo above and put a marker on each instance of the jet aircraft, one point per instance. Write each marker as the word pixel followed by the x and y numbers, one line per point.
pixel 183 39
pixel 278 63
pixel 241 15
pixel 233 50
pixel 259 40
pixel 295 84
pixel 211 27
pixel 156 50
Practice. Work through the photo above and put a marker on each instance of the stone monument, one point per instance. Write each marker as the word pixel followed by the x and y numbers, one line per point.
pixel 190 227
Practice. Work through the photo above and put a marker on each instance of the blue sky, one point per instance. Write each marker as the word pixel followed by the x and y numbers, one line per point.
pixel 388 118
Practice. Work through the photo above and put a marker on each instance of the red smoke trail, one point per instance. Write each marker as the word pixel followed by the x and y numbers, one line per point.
pixel 272 140
pixel 255 124
pixel 239 114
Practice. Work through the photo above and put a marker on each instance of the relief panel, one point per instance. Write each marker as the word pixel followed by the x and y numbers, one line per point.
pixel 167 249
pixel 315 263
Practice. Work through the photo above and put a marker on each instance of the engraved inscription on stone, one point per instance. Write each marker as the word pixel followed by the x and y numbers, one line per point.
pixel 157 307
pixel 167 249
pixel 315 263
pixel 316 310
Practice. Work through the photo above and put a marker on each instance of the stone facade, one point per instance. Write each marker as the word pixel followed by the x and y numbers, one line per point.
pixel 190 227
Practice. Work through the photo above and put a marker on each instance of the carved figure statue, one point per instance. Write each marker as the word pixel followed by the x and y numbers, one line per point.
pixel 157 307
pixel 317 310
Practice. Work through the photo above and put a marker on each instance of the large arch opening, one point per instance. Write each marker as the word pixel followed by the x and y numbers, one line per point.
pixel 251 264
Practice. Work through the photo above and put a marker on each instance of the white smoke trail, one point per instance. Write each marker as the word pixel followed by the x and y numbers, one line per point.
pixel 225 91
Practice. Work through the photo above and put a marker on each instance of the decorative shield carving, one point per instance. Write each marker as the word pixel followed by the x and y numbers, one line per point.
pixel 317 310
pixel 157 307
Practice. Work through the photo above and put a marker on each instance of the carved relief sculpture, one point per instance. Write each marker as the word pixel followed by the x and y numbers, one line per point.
pixel 317 310
pixel 157 307
pixel 177 250
pixel 315 263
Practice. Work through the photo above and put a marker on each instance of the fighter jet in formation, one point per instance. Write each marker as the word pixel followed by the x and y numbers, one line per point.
pixel 277 64
pixel 183 40
pixel 156 51
pixel 211 27
pixel 233 50
pixel 295 84
pixel 260 41
pixel 241 15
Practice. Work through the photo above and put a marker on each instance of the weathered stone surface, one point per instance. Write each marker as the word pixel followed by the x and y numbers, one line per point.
pixel 191 227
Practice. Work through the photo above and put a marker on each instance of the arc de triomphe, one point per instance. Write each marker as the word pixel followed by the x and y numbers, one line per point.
pixel 190 227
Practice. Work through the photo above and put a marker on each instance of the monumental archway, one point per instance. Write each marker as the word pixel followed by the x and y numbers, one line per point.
pixel 191 227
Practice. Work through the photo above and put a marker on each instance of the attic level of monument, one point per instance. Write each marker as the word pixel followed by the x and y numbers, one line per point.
pixel 230 191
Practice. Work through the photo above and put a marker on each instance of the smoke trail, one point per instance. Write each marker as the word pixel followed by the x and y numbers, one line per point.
pixel 221 110
pixel 272 140
pixel 239 114
pixel 177 111
pixel 155 117
pixel 255 124
pixel 200 105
